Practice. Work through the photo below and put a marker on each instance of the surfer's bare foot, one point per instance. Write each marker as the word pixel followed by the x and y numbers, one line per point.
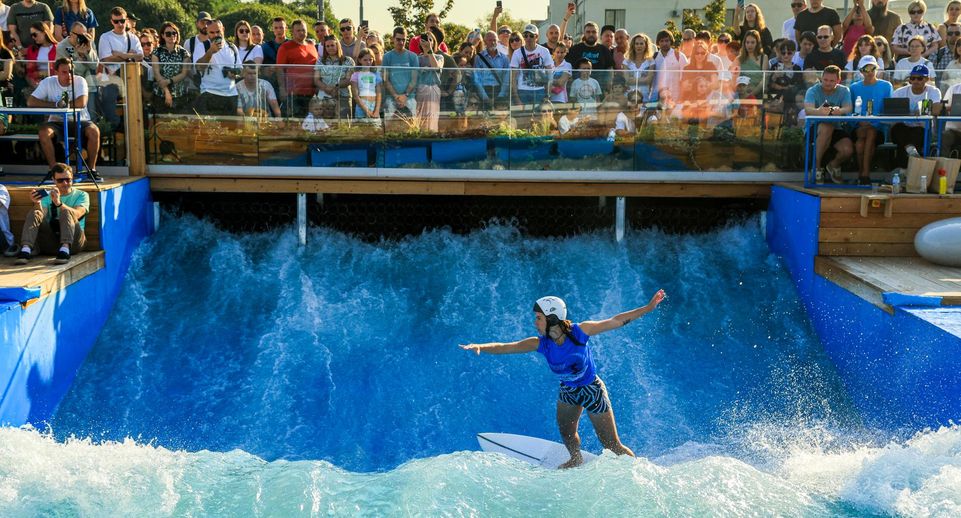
pixel 572 463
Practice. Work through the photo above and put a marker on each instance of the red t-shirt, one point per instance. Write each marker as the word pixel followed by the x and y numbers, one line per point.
pixel 415 45
pixel 300 79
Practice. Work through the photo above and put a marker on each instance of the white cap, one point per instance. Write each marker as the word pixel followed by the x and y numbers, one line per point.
pixel 551 305
pixel 530 27
pixel 868 60
pixel 743 80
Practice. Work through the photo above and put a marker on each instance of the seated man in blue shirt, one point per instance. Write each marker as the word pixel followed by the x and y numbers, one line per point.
pixel 830 98
pixel 872 92
pixel 490 75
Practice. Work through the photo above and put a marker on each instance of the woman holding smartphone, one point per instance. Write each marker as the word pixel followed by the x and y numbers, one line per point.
pixel 428 82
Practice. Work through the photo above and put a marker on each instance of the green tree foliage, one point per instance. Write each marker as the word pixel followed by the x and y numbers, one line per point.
pixel 517 25
pixel 410 14
pixel 454 35
pixel 713 20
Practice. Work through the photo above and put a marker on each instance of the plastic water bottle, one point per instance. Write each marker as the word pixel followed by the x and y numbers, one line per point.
pixel 896 183
pixel 460 99
pixel 857 107
pixel 611 135
pixel 942 182
pixel 924 185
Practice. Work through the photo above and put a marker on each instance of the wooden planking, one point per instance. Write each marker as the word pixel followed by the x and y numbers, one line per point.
pixel 902 205
pixel 871 277
pixel 50 277
pixel 459 187
pixel 133 113
pixel 868 249
pixel 866 235
pixel 876 220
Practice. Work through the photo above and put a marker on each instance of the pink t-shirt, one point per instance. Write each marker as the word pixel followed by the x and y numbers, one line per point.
pixel 851 37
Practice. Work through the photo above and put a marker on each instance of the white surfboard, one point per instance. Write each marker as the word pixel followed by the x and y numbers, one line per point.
pixel 539 452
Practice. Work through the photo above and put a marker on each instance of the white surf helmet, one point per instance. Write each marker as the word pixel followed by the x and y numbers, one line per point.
pixel 551 305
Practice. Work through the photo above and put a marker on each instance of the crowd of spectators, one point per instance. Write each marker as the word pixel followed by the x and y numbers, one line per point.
pixel 321 74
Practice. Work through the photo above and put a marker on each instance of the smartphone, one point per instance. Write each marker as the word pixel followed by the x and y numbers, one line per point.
pixel 43 193
pixel 364 23
pixel 740 3
pixel 499 4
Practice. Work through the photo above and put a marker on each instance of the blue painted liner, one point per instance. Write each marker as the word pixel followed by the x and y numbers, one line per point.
pixel 46 342
pixel 402 153
pixel 523 148
pixel 899 370
pixel 18 294
pixel 649 157
pixel 451 151
pixel 582 148
pixel 350 154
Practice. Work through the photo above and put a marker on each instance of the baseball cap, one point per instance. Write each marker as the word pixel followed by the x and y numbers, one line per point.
pixel 867 61
pixel 919 70
pixel 504 29
pixel 204 15
pixel 531 28
pixel 131 16
pixel 743 80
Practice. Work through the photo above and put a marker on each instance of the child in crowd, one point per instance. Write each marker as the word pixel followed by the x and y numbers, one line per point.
pixel 585 90
pixel 367 88
pixel 787 81
pixel 314 122
pixel 562 74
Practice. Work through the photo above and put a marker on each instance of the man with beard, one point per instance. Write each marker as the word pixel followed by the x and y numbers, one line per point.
pixel 601 57
pixel 885 22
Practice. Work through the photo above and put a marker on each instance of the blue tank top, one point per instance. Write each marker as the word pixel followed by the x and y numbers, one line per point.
pixel 572 364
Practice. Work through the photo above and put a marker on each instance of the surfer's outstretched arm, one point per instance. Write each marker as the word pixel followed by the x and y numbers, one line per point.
pixel 620 320
pixel 526 345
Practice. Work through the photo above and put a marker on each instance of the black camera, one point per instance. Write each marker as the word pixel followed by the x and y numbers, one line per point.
pixel 231 72
pixel 83 39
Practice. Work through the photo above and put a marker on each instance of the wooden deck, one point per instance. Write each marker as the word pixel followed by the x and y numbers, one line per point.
pixel 871 253
pixel 40 271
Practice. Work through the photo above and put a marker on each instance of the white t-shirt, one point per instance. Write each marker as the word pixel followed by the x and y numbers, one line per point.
pixel 787 30
pixel 4 11
pixel 930 92
pixel 903 67
pixel 4 217
pixel 254 53
pixel 111 41
pixel 212 78
pixel 51 90
pixel 949 96
pixel 669 72
pixel 539 58
pixel 558 93
pixel 637 72
pixel 623 122
pixel 199 49
pixel 258 98
pixel 312 124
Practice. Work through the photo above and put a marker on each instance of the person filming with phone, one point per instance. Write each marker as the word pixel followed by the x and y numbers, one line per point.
pixel 55 224
pixel 219 68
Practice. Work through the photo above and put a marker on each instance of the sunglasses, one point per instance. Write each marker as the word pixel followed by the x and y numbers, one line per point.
pixel 529 35
pixel 515 40
pixel 916 12
pixel 63 180
pixel 869 69
pixel 346 29
pixel 796 5
pixel 824 37
pixel 954 33
pixel 146 44
pixel 915 78
pixel 170 33
pixel 118 21
pixel 724 41
pixel 242 31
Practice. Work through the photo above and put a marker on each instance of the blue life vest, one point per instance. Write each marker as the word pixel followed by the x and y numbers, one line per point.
pixel 573 364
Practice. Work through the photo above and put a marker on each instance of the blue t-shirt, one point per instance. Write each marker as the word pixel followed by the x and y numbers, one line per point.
pixel 841 96
pixel 400 77
pixel 68 18
pixel 875 93
pixel 573 364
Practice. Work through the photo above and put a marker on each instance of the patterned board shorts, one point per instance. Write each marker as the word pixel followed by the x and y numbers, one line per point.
pixel 593 397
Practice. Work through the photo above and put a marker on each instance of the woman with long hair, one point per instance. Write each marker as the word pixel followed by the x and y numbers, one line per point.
pixel 7 60
pixel 566 347
pixel 246 48
pixel 171 66
pixel 428 83
pixel 753 63
pixel 513 43
pixel 640 63
pixel 952 73
pixel 884 50
pixel 41 53
pixel 751 18
pixel 866 46
pixel 74 11
pixel 952 12
pixel 332 76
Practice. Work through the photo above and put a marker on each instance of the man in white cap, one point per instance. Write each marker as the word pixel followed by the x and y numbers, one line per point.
pixel 872 92
pixel 535 62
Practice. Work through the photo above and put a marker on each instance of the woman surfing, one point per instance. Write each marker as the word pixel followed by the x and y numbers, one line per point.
pixel 565 347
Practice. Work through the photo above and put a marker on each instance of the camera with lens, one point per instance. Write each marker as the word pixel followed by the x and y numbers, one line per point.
pixel 83 39
pixel 232 72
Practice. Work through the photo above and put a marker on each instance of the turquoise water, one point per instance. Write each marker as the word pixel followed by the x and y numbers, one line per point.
pixel 241 375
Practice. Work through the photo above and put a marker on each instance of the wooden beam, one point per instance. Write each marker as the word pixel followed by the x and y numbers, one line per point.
pixel 133 114
pixel 867 249
pixel 902 205
pixel 867 235
pixel 829 269
pixel 877 220
pixel 470 188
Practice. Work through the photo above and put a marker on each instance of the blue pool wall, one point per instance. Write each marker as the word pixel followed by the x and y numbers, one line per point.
pixel 899 370
pixel 45 343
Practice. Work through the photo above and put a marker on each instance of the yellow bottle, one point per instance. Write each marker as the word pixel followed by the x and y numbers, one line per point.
pixel 942 182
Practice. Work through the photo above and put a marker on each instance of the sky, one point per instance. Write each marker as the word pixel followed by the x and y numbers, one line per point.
pixel 464 12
